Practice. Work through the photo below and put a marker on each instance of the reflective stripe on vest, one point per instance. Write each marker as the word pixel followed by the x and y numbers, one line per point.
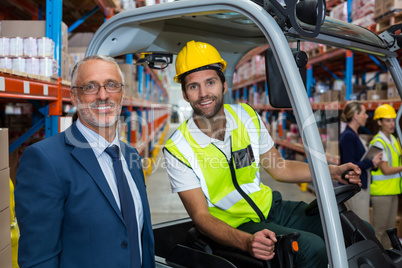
pixel 188 153
pixel 247 122
pixel 386 184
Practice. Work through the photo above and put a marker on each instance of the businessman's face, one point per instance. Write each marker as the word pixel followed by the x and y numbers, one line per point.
pixel 102 109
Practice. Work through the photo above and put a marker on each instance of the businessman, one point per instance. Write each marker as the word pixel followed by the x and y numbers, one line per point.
pixel 80 195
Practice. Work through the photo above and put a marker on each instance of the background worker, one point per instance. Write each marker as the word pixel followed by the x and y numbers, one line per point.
pixel 351 149
pixel 386 181
pixel 80 195
pixel 213 162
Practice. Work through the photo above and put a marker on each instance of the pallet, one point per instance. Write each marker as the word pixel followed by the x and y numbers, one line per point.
pixel 387 20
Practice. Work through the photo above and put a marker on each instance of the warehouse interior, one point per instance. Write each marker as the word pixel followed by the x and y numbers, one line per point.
pixel 37 58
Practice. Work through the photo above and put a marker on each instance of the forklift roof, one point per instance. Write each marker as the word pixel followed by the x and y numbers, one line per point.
pixel 231 28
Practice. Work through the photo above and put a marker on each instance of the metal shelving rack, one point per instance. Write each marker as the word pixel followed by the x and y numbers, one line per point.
pixel 18 87
pixel 350 58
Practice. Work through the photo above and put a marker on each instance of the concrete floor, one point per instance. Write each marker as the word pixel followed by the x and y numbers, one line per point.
pixel 167 206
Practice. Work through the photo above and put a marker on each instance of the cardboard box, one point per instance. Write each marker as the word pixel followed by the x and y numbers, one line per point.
pixel 376 94
pixel 64 66
pixel 30 28
pixel 77 53
pixel 378 8
pixel 127 70
pixel 64 37
pixel 392 92
pixel 5 257
pixel 5 229
pixel 330 96
pixel 392 5
pixel 4 189
pixel 4 162
pixel 332 147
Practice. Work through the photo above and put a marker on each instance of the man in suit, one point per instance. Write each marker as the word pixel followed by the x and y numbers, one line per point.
pixel 71 206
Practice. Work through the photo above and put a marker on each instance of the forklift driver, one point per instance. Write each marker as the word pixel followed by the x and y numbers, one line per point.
pixel 213 162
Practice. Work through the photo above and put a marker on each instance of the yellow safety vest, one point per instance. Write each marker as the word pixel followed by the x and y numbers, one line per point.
pixel 233 188
pixel 387 184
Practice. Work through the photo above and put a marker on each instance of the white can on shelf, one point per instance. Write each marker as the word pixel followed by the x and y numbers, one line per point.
pixel 48 67
pixel 4 46
pixel 45 47
pixel 19 64
pixel 30 47
pixel 16 47
pixel 32 66
pixel 6 63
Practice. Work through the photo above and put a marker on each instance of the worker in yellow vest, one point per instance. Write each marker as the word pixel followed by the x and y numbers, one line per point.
pixel 386 180
pixel 213 162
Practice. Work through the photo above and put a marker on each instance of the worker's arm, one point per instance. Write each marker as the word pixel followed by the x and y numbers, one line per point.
pixel 296 172
pixel 388 170
pixel 260 245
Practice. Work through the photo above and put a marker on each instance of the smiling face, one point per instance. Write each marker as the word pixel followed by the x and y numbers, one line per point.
pixel 204 91
pixel 99 110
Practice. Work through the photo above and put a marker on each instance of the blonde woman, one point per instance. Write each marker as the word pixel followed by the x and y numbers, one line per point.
pixel 351 148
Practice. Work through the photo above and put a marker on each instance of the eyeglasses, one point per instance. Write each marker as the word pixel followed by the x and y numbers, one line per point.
pixel 93 88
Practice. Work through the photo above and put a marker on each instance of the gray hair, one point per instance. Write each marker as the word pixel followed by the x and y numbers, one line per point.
pixel 94 57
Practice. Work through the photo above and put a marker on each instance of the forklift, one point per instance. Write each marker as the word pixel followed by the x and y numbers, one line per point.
pixel 234 28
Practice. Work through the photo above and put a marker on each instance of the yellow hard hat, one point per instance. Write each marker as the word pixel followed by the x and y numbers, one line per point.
pixel 384 111
pixel 195 55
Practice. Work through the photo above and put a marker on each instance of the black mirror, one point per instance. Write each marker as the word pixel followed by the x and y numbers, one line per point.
pixel 277 94
pixel 308 11
pixel 311 12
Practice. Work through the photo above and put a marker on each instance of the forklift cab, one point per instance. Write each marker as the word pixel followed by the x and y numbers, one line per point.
pixel 235 27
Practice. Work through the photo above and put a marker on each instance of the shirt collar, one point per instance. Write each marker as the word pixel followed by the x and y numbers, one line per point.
pixel 204 140
pixel 96 141
pixel 385 138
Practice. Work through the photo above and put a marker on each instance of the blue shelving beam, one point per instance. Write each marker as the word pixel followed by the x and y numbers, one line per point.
pixel 82 19
pixel 349 60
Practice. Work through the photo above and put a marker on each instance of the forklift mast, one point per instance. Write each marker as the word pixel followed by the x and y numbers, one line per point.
pixel 235 28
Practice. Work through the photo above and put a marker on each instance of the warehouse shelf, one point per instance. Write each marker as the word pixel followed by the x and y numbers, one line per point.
pixel 369 105
pixel 24 86
pixel 297 147
pixel 21 87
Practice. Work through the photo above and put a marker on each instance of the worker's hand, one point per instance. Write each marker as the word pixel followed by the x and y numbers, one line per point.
pixel 262 244
pixel 377 160
pixel 353 177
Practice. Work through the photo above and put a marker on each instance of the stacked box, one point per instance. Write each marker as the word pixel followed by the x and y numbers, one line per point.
pixel 378 8
pixel 392 92
pixel 340 12
pixel 78 53
pixel 330 96
pixel 31 28
pixel 128 78
pixel 392 5
pixel 5 233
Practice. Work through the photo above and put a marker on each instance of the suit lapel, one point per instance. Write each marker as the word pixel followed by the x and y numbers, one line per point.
pixel 84 154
